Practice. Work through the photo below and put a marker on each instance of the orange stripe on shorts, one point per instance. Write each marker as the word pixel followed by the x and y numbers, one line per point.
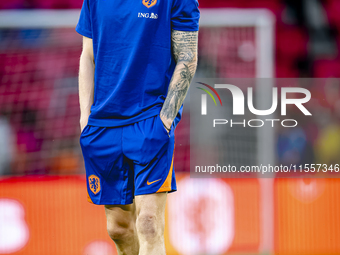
pixel 89 198
pixel 166 186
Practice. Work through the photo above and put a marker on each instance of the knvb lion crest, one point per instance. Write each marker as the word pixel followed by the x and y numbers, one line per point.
pixel 149 3
pixel 94 184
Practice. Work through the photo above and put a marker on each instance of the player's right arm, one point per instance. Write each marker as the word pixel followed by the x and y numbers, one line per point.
pixel 86 81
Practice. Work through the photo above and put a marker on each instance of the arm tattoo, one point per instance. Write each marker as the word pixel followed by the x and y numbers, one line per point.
pixel 184 50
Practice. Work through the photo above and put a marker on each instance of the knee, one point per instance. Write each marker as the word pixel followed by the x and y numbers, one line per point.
pixel 119 232
pixel 149 226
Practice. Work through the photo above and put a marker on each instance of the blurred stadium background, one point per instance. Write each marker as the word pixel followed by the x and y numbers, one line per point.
pixel 43 206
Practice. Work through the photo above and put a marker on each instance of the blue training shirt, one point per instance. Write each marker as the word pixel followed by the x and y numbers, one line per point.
pixel 132 54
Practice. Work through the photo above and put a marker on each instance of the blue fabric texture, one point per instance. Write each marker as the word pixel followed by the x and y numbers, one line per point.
pixel 132 53
pixel 123 162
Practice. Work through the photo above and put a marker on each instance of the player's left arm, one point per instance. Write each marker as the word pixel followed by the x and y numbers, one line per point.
pixel 184 50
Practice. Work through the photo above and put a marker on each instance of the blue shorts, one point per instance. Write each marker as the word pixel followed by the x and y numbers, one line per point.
pixel 123 162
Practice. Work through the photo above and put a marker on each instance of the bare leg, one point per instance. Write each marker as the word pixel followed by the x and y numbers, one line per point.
pixel 150 223
pixel 121 226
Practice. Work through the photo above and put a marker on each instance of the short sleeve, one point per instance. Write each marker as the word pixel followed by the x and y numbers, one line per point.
pixel 185 15
pixel 84 26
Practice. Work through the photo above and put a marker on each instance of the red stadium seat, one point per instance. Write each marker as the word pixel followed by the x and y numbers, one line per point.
pixel 291 42
pixel 52 4
pixel 333 10
pixel 12 4
pixel 326 68
pixel 274 5
pixel 286 71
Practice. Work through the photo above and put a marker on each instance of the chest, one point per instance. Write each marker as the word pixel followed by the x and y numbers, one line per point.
pixel 123 12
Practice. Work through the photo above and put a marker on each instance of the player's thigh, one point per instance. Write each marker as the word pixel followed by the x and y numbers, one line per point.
pixel 151 208
pixel 120 218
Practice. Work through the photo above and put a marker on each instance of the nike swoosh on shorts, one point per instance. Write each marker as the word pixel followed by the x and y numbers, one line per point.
pixel 149 183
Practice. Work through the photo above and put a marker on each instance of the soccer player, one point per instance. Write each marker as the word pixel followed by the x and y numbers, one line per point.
pixel 137 62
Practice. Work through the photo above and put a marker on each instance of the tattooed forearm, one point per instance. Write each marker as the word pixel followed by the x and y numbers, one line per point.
pixel 184 50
